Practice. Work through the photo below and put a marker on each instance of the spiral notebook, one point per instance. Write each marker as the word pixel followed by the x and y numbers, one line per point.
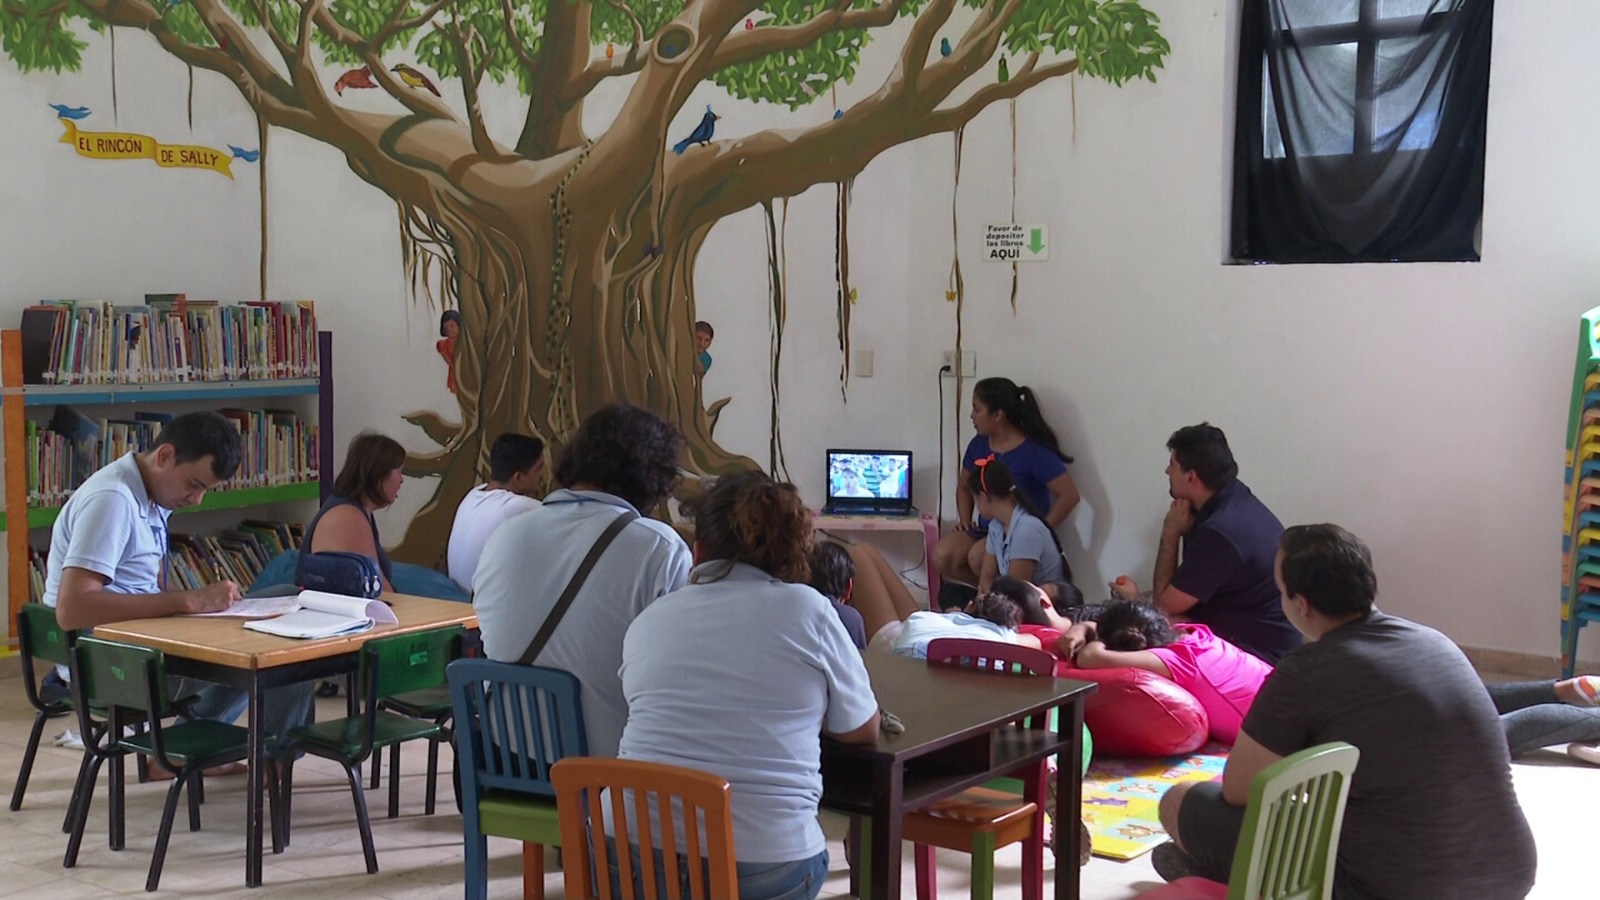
pixel 324 615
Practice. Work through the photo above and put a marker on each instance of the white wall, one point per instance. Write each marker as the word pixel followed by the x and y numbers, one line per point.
pixel 1420 405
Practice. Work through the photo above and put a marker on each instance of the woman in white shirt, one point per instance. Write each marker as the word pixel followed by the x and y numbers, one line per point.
pixel 747 637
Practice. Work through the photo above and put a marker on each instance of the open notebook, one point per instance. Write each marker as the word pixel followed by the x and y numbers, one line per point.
pixel 321 615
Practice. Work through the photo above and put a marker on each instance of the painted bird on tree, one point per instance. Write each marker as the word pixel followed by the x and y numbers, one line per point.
pixel 415 79
pixel 701 134
pixel 355 78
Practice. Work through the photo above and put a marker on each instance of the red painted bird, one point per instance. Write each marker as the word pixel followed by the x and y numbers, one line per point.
pixel 355 78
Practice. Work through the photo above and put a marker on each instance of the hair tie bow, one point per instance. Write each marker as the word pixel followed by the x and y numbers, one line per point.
pixel 983 468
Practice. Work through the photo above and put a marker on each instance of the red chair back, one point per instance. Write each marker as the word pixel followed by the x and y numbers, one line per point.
pixel 990 655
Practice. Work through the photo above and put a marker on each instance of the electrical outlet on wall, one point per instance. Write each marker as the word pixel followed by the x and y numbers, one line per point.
pixel 969 363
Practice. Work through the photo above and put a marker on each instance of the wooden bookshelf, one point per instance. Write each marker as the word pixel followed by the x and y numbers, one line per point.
pixel 16 398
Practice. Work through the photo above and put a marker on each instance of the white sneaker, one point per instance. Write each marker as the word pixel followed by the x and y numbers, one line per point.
pixel 69 739
pixel 1589 753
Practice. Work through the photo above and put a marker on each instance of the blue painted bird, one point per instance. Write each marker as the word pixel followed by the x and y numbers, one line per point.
pixel 944 47
pixel 701 134
pixel 69 112
pixel 246 155
pixel 838 114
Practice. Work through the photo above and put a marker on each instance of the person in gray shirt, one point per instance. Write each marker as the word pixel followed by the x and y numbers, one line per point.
pixel 1432 810
pixel 624 459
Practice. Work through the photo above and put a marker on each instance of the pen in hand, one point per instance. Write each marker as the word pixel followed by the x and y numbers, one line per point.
pixel 222 578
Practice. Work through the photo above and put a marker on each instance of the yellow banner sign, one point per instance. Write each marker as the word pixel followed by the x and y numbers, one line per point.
pixel 121 145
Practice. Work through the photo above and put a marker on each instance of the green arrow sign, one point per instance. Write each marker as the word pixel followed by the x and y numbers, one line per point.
pixel 1014 242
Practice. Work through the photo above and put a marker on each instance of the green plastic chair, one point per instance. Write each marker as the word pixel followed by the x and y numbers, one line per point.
pixel 388 666
pixel 429 703
pixel 130 683
pixel 1290 837
pixel 38 638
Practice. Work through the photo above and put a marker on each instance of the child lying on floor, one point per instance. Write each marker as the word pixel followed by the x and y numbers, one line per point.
pixel 1224 678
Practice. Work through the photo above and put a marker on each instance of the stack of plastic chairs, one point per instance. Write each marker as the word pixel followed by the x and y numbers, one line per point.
pixel 1580 546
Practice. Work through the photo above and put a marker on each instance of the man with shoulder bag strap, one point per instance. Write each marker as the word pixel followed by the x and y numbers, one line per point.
pixel 622 463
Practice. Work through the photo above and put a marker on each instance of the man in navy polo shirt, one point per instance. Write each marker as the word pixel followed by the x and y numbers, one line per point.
pixel 1228 540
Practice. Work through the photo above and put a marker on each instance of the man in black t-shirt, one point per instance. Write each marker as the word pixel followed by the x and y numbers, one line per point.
pixel 1432 810
pixel 1227 538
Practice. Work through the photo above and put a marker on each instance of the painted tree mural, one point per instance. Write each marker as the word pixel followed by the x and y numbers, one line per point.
pixel 571 256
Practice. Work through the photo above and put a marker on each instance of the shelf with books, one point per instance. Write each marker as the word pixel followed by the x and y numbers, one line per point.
pixel 167 339
pixel 288 454
pixel 45 516
pixel 85 394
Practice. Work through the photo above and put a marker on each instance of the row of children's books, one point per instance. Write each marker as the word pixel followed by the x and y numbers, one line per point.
pixel 194 561
pixel 280 447
pixel 168 338
pixel 236 555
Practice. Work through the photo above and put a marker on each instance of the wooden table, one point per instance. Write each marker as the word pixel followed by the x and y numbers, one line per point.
pixel 222 651
pixel 957 736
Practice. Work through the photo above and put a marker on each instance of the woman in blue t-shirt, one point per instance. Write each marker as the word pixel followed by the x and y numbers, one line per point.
pixel 741 673
pixel 1019 544
pixel 1010 428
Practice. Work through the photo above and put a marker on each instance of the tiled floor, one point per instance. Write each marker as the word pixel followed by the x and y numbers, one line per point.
pixel 420 856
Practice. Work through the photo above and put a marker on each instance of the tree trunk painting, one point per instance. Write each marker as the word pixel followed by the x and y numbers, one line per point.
pixel 570 256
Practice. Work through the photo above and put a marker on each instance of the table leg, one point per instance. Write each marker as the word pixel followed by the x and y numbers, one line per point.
pixel 930 540
pixel 885 843
pixel 1069 799
pixel 853 854
pixel 252 815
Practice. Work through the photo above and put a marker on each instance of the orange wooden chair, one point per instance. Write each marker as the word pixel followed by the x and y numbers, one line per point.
pixel 693 812
pixel 981 820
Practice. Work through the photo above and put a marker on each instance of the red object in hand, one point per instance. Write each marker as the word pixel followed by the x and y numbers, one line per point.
pixel 1122 579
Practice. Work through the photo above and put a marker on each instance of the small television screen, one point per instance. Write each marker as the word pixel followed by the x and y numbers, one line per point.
pixel 869 474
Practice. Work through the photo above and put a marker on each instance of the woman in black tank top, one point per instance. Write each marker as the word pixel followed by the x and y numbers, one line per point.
pixel 369 481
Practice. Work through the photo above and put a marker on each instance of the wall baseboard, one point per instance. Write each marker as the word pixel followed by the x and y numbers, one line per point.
pixel 1531 665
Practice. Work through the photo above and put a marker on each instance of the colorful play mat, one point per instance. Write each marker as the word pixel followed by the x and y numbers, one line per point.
pixel 1120 798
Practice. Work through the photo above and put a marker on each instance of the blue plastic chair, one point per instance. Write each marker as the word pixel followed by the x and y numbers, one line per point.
pixel 513 723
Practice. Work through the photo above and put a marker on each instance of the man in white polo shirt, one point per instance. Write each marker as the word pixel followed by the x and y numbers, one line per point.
pixel 108 552
pixel 516 462
pixel 623 460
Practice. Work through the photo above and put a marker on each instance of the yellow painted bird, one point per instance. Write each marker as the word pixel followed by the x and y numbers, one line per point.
pixel 415 79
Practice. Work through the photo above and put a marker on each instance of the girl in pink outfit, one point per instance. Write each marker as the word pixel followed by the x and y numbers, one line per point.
pixel 1222 677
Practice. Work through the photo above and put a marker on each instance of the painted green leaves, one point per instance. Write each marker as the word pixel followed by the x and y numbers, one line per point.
pixel 33 33
pixel 796 78
pixel 1117 40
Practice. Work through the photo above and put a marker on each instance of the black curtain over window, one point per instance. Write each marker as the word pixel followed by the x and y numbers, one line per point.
pixel 1360 134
